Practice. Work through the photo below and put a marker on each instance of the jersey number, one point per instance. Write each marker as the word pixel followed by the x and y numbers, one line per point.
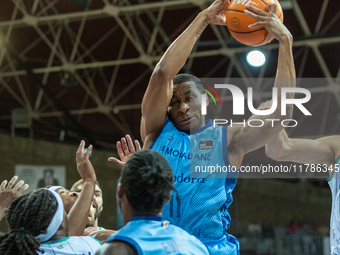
pixel 172 206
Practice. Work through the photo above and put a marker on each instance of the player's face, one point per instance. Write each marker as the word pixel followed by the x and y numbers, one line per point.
pixel 97 203
pixel 92 216
pixel 68 198
pixel 185 107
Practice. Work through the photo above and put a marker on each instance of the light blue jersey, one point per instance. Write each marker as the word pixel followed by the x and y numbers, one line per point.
pixel 334 183
pixel 80 245
pixel 203 206
pixel 150 235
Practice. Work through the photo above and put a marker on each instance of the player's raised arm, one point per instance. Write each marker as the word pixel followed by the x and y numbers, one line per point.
pixel 78 215
pixel 160 89
pixel 249 138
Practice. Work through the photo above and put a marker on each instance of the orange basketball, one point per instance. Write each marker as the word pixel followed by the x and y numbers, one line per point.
pixel 238 22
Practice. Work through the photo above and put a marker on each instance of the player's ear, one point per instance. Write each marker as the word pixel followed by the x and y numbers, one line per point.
pixel 168 198
pixel 120 191
pixel 206 98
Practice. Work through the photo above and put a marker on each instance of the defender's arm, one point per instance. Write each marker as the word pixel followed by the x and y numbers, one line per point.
pixel 304 151
pixel 247 138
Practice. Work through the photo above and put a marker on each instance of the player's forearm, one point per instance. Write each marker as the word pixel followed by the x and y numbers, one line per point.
pixel 275 148
pixel 178 52
pixel 285 65
pixel 285 75
pixel 78 216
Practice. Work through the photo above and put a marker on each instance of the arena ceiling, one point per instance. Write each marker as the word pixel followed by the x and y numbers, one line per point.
pixel 78 69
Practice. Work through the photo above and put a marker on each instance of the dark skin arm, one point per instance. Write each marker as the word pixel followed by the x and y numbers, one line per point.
pixel 160 89
pixel 116 247
pixel 244 139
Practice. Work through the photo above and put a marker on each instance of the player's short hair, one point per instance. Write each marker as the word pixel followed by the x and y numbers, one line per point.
pixel 27 217
pixel 147 179
pixel 49 170
pixel 81 181
pixel 180 78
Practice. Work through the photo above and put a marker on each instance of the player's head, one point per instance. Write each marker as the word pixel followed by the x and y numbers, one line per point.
pixel 32 219
pixel 97 204
pixel 146 183
pixel 185 105
pixel 48 173
pixel 68 197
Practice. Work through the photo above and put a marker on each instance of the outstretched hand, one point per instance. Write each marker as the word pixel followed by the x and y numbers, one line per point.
pixel 9 192
pixel 216 12
pixel 102 235
pixel 269 20
pixel 89 230
pixel 125 149
pixel 265 105
pixel 84 165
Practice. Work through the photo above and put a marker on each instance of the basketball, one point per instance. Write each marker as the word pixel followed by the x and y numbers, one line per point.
pixel 238 22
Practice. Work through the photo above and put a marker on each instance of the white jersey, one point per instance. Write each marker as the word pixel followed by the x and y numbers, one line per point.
pixel 71 245
pixel 334 183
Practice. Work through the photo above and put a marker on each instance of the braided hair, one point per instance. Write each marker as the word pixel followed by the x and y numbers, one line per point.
pixel 147 179
pixel 27 217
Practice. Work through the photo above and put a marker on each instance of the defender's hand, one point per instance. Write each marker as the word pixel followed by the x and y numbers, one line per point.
pixel 265 105
pixel 9 192
pixel 269 20
pixel 125 149
pixel 102 235
pixel 84 165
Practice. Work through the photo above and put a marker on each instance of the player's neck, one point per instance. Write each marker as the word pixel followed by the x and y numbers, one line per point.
pixel 130 214
pixel 58 235
pixel 95 225
pixel 200 125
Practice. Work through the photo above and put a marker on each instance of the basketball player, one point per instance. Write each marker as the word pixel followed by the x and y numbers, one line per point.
pixel 325 151
pixel 9 192
pixel 77 206
pixel 171 111
pixel 39 225
pixel 96 206
pixel 68 198
pixel 145 187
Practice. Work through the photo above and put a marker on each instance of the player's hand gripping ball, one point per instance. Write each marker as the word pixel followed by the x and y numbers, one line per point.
pixel 238 22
